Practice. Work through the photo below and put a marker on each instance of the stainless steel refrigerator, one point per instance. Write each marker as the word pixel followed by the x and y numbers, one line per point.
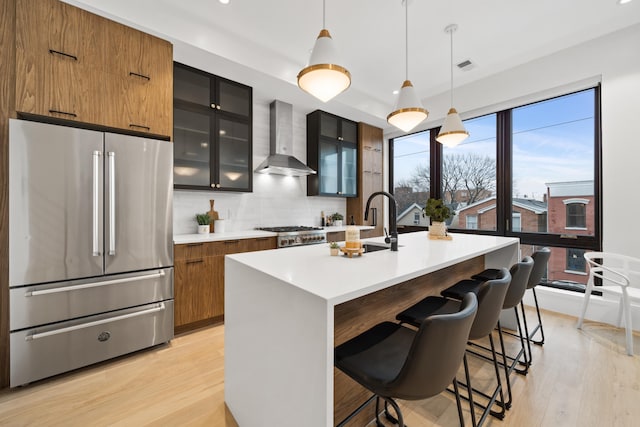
pixel 90 247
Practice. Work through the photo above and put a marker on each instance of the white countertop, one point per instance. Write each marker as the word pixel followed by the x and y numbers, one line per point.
pixel 332 229
pixel 180 239
pixel 343 278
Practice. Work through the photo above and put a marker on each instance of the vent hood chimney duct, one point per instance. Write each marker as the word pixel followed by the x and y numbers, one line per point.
pixel 280 160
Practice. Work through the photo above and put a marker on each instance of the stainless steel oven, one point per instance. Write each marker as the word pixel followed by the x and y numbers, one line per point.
pixel 297 235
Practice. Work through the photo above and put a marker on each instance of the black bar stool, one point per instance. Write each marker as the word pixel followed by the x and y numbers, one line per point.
pixel 520 273
pixel 491 296
pixel 397 362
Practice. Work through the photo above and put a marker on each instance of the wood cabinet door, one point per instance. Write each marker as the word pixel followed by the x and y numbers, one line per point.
pixel 140 69
pixel 197 289
pixel 59 51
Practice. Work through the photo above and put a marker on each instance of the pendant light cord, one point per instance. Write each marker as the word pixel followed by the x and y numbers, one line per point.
pixel 324 11
pixel 451 63
pixel 406 38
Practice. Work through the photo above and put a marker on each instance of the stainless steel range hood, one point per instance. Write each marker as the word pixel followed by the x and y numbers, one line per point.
pixel 280 160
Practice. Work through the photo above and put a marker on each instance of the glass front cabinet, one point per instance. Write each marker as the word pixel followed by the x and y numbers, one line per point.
pixel 212 137
pixel 332 150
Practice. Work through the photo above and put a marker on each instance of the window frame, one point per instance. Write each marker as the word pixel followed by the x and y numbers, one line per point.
pixel 505 178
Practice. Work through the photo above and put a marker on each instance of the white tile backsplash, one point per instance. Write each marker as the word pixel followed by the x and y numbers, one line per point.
pixel 276 200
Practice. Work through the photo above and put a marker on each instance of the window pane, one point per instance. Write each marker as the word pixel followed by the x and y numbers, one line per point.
pixel 558 274
pixel 411 177
pixel 553 163
pixel 469 176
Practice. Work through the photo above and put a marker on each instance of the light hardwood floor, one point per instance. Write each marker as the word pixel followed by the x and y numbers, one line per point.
pixel 579 378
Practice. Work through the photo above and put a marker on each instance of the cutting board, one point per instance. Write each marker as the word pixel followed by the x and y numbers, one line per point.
pixel 213 215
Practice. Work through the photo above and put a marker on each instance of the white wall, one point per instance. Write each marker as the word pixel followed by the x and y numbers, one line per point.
pixel 615 61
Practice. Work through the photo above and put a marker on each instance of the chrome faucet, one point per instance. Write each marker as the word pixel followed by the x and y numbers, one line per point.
pixel 393 224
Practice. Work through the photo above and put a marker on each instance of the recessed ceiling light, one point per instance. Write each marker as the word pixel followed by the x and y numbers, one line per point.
pixel 224 1
pixel 624 1
pixel 395 92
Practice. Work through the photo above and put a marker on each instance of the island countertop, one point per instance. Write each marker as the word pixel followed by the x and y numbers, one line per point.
pixel 286 310
pixel 338 278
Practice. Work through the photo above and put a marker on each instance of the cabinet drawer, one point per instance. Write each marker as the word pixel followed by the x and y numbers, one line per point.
pixel 189 251
pixel 259 244
pixel 42 352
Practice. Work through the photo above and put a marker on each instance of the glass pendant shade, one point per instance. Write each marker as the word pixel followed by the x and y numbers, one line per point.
pixel 323 78
pixel 452 131
pixel 409 111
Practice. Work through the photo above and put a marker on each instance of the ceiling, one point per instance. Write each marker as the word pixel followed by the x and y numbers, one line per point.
pixel 275 37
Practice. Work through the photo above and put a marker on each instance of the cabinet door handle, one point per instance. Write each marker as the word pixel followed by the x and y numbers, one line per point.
pixel 131 73
pixel 133 125
pixel 195 261
pixel 194 244
pixel 213 106
pixel 63 112
pixel 68 55
pixel 229 242
pixel 374 217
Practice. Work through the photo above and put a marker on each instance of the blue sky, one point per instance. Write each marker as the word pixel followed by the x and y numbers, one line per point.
pixel 552 141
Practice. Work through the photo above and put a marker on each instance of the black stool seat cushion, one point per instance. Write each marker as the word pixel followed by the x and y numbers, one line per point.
pixel 416 314
pixel 460 289
pixel 376 356
pixel 488 274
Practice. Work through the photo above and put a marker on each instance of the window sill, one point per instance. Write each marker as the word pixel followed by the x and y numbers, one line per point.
pixel 578 273
pixel 576 228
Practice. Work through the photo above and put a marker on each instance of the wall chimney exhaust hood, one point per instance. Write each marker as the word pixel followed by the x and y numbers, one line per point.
pixel 280 160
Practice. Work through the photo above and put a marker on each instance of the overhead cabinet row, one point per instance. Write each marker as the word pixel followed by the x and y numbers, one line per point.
pixel 74 65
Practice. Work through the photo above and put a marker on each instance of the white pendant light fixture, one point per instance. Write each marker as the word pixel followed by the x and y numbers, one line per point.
pixel 452 131
pixel 409 111
pixel 323 77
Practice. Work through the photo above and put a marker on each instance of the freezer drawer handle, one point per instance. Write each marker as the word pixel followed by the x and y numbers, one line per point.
pixel 112 203
pixel 96 203
pixel 161 307
pixel 93 285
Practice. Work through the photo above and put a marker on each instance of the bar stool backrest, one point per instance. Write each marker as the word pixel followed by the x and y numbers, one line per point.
pixel 520 273
pixel 436 353
pixel 490 300
pixel 540 260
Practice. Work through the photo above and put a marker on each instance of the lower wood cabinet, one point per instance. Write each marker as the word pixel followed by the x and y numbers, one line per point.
pixel 199 279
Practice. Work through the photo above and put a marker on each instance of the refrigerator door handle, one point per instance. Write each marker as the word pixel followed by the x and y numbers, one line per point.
pixel 93 285
pixel 112 202
pixel 161 307
pixel 96 204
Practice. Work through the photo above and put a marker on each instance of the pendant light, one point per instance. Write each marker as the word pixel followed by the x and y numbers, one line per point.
pixel 452 131
pixel 323 78
pixel 409 111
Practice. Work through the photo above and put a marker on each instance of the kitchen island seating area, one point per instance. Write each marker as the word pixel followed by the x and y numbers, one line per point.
pixel 491 296
pixel 350 296
pixel 397 362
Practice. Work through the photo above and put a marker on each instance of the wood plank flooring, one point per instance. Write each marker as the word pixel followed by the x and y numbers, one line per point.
pixel 579 378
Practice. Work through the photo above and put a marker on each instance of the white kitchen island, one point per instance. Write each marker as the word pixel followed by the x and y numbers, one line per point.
pixel 286 309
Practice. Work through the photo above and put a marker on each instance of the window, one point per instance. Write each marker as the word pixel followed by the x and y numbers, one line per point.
pixel 532 172
pixel 576 261
pixel 576 215
pixel 410 172
pixel 416 218
pixel 516 221
pixel 469 176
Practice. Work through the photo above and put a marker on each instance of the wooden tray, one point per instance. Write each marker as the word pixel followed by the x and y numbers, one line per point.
pixel 351 251
pixel 447 237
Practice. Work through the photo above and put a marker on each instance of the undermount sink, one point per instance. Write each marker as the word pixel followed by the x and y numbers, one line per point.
pixel 374 247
